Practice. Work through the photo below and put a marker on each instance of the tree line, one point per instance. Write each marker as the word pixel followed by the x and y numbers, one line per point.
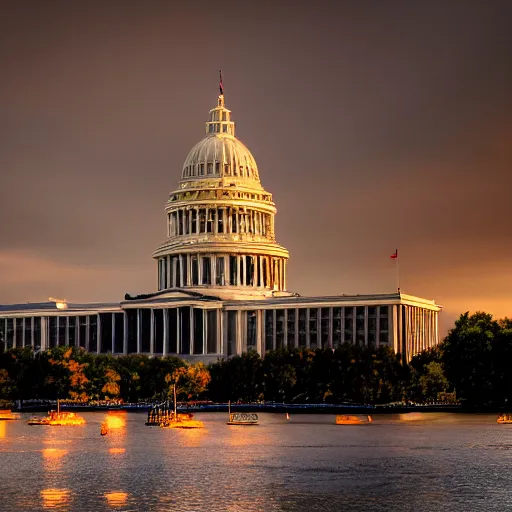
pixel 472 363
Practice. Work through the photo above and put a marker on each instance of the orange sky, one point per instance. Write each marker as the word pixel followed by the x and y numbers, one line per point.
pixel 375 126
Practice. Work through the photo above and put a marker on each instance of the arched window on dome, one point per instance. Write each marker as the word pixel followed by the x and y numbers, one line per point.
pixel 201 170
pixel 226 169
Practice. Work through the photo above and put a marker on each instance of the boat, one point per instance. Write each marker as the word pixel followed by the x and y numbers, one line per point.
pixel 352 420
pixel 504 419
pixel 6 415
pixel 58 418
pixel 175 420
pixel 241 418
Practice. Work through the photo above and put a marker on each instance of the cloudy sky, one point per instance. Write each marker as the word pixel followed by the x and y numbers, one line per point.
pixel 376 125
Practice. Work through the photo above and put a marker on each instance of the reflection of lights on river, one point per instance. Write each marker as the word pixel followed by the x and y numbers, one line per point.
pixel 191 437
pixel 55 498
pixel 116 451
pixel 115 421
pixel 52 458
pixel 3 430
pixel 116 499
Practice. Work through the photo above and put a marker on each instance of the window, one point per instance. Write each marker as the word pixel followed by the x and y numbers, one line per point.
pixel 82 330
pixel 211 331
pixel 220 221
pixel 251 330
pixel 172 331
pixel 219 271
pixel 209 168
pixel 106 332
pixel 207 270
pixel 313 328
pixel 291 328
pixel 198 330
pixel 324 312
pixel 195 271
pixel 217 167
pixel 233 270
pixel 210 221
pixel 158 330
pixel 280 326
pixel 145 330
pixel 194 221
pixel 72 331
pixel 201 167
pixel 118 333
pixel 302 327
pixel 269 329
pixel 232 331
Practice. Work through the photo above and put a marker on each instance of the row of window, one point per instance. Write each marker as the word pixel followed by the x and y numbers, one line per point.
pixel 221 270
pixel 313 327
pixel 215 193
pixel 215 169
pixel 188 330
pixel 197 221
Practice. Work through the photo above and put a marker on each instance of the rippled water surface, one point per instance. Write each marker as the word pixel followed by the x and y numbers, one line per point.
pixel 424 462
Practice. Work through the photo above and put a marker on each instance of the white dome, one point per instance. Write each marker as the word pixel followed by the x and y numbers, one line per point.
pixel 220 155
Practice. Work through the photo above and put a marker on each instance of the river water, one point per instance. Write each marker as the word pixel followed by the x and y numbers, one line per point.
pixel 420 462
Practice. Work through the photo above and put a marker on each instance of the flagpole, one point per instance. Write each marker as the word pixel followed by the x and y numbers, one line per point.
pixel 394 256
pixel 398 272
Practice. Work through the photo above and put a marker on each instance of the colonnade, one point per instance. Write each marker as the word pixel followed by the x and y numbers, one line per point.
pixel 421 329
pixel 190 269
pixel 222 219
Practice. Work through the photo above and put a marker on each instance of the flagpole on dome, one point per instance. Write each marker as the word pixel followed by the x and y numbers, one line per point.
pixel 394 256
pixel 221 90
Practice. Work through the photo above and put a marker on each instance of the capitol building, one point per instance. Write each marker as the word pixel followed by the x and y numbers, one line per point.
pixel 222 285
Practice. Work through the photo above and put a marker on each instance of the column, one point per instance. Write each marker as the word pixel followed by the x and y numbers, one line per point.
pixel 285 336
pixel 255 264
pixel 284 274
pixel 238 277
pixel 66 336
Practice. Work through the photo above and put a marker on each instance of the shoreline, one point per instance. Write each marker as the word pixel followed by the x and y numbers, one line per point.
pixel 265 408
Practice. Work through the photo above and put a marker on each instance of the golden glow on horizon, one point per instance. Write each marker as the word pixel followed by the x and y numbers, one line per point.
pixel 55 498
pixel 116 499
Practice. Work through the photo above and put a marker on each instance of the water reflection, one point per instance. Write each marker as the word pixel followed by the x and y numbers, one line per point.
pixel 116 451
pixel 116 420
pixel 116 499
pixel 56 498
pixel 3 430
pixel 53 458
pixel 192 437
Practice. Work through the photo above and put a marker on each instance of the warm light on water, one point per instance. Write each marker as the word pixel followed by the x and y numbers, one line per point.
pixel 116 451
pixel 116 499
pixel 3 429
pixel 443 462
pixel 55 498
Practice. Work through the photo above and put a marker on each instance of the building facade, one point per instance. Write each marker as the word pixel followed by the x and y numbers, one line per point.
pixel 221 279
